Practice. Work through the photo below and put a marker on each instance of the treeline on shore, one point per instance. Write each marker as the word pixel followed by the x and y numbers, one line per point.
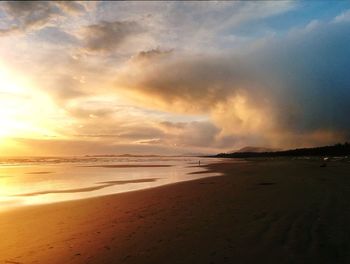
pixel 337 150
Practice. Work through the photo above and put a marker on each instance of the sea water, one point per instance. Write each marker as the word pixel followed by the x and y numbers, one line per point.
pixel 38 180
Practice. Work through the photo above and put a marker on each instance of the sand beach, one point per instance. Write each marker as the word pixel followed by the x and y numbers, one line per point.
pixel 261 211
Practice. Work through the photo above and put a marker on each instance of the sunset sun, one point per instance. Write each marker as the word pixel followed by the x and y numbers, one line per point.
pixel 24 110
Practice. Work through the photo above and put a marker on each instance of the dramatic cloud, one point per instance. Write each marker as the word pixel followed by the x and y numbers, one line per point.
pixel 107 36
pixel 291 85
pixel 31 15
pixel 180 81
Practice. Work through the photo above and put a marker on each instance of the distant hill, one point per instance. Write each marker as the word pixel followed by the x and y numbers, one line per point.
pixel 335 150
pixel 256 149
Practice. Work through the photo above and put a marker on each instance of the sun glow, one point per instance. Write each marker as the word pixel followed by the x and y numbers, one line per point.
pixel 22 108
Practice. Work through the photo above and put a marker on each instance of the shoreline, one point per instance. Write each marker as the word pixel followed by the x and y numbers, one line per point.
pixel 100 185
pixel 29 206
pixel 276 211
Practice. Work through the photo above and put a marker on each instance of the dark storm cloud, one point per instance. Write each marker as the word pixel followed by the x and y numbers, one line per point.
pixel 197 81
pixel 308 76
pixel 301 78
pixel 107 36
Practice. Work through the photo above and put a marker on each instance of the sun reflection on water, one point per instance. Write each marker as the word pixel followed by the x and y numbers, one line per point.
pixel 47 181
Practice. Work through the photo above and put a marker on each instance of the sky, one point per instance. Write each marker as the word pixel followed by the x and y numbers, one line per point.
pixel 83 78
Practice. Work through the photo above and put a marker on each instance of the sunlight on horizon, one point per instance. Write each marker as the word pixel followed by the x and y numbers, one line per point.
pixel 24 111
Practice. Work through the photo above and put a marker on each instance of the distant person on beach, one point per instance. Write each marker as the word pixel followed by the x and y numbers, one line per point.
pixel 324 164
pixel 199 163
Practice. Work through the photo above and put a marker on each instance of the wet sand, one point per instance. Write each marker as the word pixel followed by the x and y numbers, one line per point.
pixel 89 189
pixel 258 212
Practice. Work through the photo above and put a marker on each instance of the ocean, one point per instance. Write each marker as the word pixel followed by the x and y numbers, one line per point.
pixel 37 180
